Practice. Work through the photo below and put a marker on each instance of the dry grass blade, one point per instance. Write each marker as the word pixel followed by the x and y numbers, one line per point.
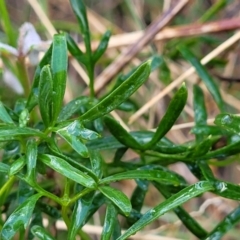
pixel 229 42
pixel 125 57
pixel 42 16
pixel 126 39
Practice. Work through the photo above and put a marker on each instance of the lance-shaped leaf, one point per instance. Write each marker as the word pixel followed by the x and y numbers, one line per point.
pixel 74 142
pixel 75 51
pixel 46 95
pixel 102 46
pixel 24 118
pixel 225 225
pixel 19 218
pixel 79 215
pixel 227 190
pixel 200 112
pixel 205 170
pixel 139 194
pixel 72 107
pixel 31 158
pixel 4 168
pixel 41 233
pixel 205 76
pixel 59 64
pixel 97 163
pixel 33 97
pixel 75 134
pixel 208 130
pixel 190 223
pixel 17 166
pixel 153 175
pixel 120 94
pixel 61 166
pixel 202 148
pixel 118 198
pixel 121 134
pixel 79 9
pixel 172 202
pixel 229 121
pixel 4 116
pixel 109 222
pixel 8 133
pixel 173 111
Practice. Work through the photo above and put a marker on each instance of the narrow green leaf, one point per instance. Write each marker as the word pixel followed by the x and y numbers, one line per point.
pixel 46 95
pixel 17 166
pixel 102 46
pixel 79 9
pixel 203 147
pixel 74 142
pixel 139 194
pixel 190 223
pixel 31 158
pixel 200 112
pixel 229 121
pixel 127 106
pixel 24 118
pixel 109 222
pixel 205 76
pixel 72 107
pixel 98 200
pixel 173 111
pixel 59 62
pixel 227 190
pixel 172 202
pixel 153 175
pixel 61 166
pixel 75 50
pixel 4 116
pixel 79 215
pixel 41 233
pixel 208 130
pixel 206 170
pixel 97 163
pixel 118 198
pixel 163 146
pixel 19 218
pixel 4 168
pixel 33 97
pixel 119 95
pixel 77 129
pixel 121 134
pixel 225 225
pixel 8 133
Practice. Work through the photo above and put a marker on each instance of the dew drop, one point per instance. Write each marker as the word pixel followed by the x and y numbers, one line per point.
pixel 226 120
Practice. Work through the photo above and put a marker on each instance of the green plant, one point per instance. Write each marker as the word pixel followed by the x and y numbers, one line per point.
pixel 67 141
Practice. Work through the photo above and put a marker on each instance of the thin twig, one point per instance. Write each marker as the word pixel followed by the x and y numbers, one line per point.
pixel 229 42
pixel 126 56
pixel 126 39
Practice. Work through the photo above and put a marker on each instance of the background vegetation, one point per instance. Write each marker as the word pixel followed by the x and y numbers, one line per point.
pixel 195 148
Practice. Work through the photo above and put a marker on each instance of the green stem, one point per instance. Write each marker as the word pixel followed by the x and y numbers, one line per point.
pixel 79 195
pixel 90 69
pixel 65 216
pixel 46 193
pixel 23 76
